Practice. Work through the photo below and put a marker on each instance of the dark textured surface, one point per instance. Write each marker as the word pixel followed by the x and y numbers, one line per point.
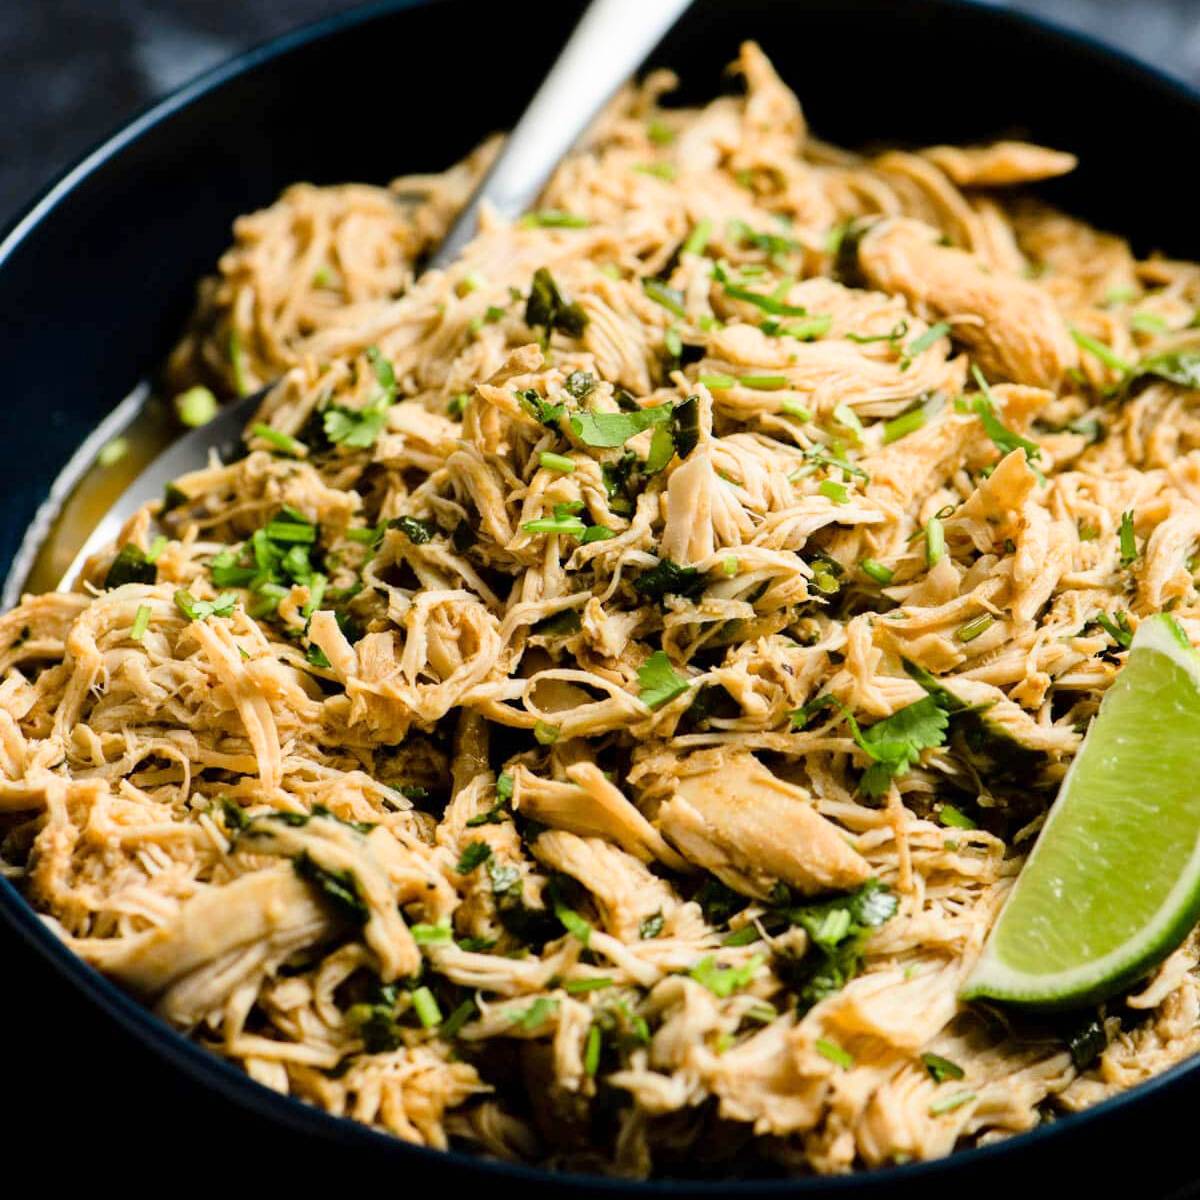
pixel 73 70
pixel 84 1099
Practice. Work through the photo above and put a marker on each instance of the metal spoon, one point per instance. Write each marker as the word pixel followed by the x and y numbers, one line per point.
pixel 610 42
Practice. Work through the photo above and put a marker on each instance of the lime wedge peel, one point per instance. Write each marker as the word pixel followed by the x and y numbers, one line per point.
pixel 1113 883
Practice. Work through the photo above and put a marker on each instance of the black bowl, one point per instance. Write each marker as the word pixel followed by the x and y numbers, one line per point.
pixel 96 279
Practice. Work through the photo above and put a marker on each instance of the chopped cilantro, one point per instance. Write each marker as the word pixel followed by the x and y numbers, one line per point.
pixel 954 818
pixel 579 384
pixel 651 927
pixel 535 1015
pixel 1181 367
pixel 658 681
pixel 198 610
pixel 608 430
pixel 803 716
pixel 547 308
pixel 1086 1042
pixel 837 929
pixel 131 565
pixel 895 743
pixel 473 855
pixel 724 981
pixel 666 578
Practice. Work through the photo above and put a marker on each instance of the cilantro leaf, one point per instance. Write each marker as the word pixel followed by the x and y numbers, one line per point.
pixel 800 717
pixel 609 429
pixel 579 384
pixel 385 375
pixel 357 428
pixel 724 981
pixel 896 742
pixel 541 410
pixel 1181 367
pixel 685 425
pixel 666 578
pixel 651 927
pixel 535 1015
pixel 416 530
pixel 658 681
pixel 130 566
pixel 474 853
pixel 547 308
pixel 837 929
pixel 197 610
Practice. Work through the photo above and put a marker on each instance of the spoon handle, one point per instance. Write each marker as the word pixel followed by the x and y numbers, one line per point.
pixel 609 44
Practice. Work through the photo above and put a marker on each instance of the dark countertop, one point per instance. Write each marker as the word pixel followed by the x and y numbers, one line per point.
pixel 85 1099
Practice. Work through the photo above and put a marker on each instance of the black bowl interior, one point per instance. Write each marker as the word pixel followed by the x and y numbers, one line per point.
pixel 97 279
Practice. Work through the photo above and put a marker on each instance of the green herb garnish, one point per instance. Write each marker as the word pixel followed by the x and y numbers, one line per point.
pixel 895 743
pixel 131 565
pixel 198 610
pixel 724 981
pixel 666 578
pixel 940 1069
pixel 473 855
pixel 658 681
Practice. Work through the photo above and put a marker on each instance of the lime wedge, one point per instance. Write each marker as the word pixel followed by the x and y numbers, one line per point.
pixel 1113 883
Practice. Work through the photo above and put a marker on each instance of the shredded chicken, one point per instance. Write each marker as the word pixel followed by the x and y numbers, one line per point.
pixel 600 719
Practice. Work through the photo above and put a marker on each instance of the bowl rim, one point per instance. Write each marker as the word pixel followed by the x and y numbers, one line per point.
pixel 219 1075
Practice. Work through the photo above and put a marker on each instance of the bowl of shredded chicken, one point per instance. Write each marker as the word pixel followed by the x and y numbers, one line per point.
pixel 598 721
